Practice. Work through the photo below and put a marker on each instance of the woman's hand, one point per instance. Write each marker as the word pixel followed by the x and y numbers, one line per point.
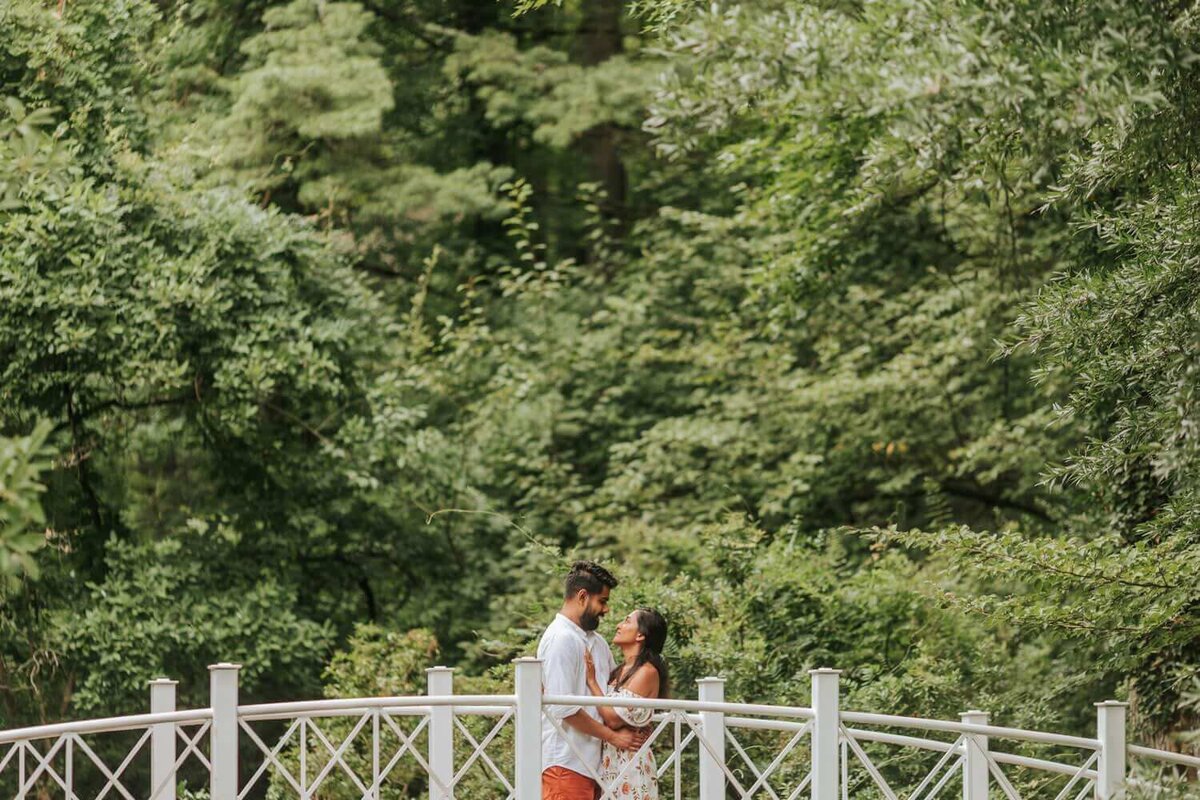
pixel 590 671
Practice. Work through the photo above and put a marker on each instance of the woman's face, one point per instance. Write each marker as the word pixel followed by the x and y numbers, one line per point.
pixel 627 630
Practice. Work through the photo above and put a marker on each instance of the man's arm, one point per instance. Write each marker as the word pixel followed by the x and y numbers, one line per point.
pixel 563 662
pixel 622 739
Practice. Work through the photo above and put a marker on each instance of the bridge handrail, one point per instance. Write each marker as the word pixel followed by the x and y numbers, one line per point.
pixel 1164 755
pixel 265 710
pixel 670 704
pixel 106 725
pixel 965 727
pixel 942 747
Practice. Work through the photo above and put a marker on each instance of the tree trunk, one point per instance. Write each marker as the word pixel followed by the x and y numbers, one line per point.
pixel 600 40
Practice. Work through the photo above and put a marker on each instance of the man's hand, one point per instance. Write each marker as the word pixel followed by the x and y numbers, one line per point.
pixel 629 738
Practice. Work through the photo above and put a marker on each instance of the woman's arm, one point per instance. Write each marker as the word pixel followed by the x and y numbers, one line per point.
pixel 643 683
pixel 610 717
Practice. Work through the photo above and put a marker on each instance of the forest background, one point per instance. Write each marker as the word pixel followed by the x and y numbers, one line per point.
pixel 854 333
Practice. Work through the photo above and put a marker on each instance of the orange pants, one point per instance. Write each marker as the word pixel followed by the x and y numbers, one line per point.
pixel 560 783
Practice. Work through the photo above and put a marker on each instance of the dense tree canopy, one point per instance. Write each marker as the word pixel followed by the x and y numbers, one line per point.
pixel 854 334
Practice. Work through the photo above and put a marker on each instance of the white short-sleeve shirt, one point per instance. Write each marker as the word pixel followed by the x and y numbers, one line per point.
pixel 563 672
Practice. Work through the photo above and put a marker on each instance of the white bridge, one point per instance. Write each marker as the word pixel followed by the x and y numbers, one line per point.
pixel 443 745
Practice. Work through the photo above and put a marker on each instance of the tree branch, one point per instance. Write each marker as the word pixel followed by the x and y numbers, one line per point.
pixel 973 492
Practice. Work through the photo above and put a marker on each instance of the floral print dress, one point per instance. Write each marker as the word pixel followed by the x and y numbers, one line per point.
pixel 636 781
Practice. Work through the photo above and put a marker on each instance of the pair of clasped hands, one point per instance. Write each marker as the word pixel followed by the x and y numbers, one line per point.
pixel 623 736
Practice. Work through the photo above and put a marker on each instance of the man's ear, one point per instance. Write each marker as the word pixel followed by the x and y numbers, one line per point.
pixel 581 596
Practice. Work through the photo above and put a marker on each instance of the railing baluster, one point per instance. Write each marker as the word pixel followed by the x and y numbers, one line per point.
pixel 375 732
pixel 304 758
pixel 439 683
pixel 162 740
pixel 826 724
pixel 845 769
pixel 712 728
pixel 975 760
pixel 1110 730
pixel 527 729
pixel 678 759
pixel 223 736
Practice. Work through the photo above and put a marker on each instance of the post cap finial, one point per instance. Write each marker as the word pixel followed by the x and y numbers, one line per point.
pixel 1111 704
pixel 163 682
pixel 223 665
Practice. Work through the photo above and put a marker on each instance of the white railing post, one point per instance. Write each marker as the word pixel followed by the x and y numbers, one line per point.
pixel 1110 730
pixel 825 732
pixel 975 764
pixel 162 741
pixel 712 728
pixel 439 682
pixel 527 738
pixel 223 735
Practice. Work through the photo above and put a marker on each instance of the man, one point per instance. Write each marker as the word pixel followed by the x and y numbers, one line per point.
pixel 571 759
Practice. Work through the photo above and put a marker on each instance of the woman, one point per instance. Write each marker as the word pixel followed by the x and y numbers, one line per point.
pixel 643 673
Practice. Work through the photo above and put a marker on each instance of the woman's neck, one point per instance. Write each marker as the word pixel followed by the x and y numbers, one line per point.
pixel 630 652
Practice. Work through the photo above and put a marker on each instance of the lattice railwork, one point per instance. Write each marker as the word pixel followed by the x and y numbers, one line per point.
pixel 898 773
pixel 374 753
pixel 891 768
pixel 786 776
pixel 483 756
pixel 99 765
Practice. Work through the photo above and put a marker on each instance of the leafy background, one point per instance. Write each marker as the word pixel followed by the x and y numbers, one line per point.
pixel 860 334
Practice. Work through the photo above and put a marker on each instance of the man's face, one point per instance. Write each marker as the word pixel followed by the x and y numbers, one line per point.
pixel 594 611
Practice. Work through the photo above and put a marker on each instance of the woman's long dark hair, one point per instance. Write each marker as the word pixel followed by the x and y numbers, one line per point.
pixel 653 626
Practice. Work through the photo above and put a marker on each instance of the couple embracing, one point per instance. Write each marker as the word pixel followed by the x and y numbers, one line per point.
pixel 590 743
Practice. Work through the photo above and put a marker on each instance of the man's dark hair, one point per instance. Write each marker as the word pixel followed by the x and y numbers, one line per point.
pixel 589 576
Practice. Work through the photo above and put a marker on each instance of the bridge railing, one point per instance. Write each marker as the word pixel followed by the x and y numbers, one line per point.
pixel 443 745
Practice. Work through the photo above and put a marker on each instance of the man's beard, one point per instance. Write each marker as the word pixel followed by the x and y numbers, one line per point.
pixel 589 621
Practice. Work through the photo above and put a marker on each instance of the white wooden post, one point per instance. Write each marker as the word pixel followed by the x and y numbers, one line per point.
pixel 712 728
pixel 825 730
pixel 223 735
pixel 975 765
pixel 162 741
pixel 527 777
pixel 439 682
pixel 1110 730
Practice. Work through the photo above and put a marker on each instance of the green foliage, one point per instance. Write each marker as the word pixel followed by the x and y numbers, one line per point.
pixel 27 154
pixel 312 90
pixel 540 88
pixel 375 663
pixel 22 460
pixel 703 299
pixel 1131 600
pixel 174 606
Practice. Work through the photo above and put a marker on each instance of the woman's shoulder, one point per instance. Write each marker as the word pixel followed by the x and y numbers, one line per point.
pixel 644 681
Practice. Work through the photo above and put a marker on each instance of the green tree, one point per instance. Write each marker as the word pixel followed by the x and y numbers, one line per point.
pixel 22 460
